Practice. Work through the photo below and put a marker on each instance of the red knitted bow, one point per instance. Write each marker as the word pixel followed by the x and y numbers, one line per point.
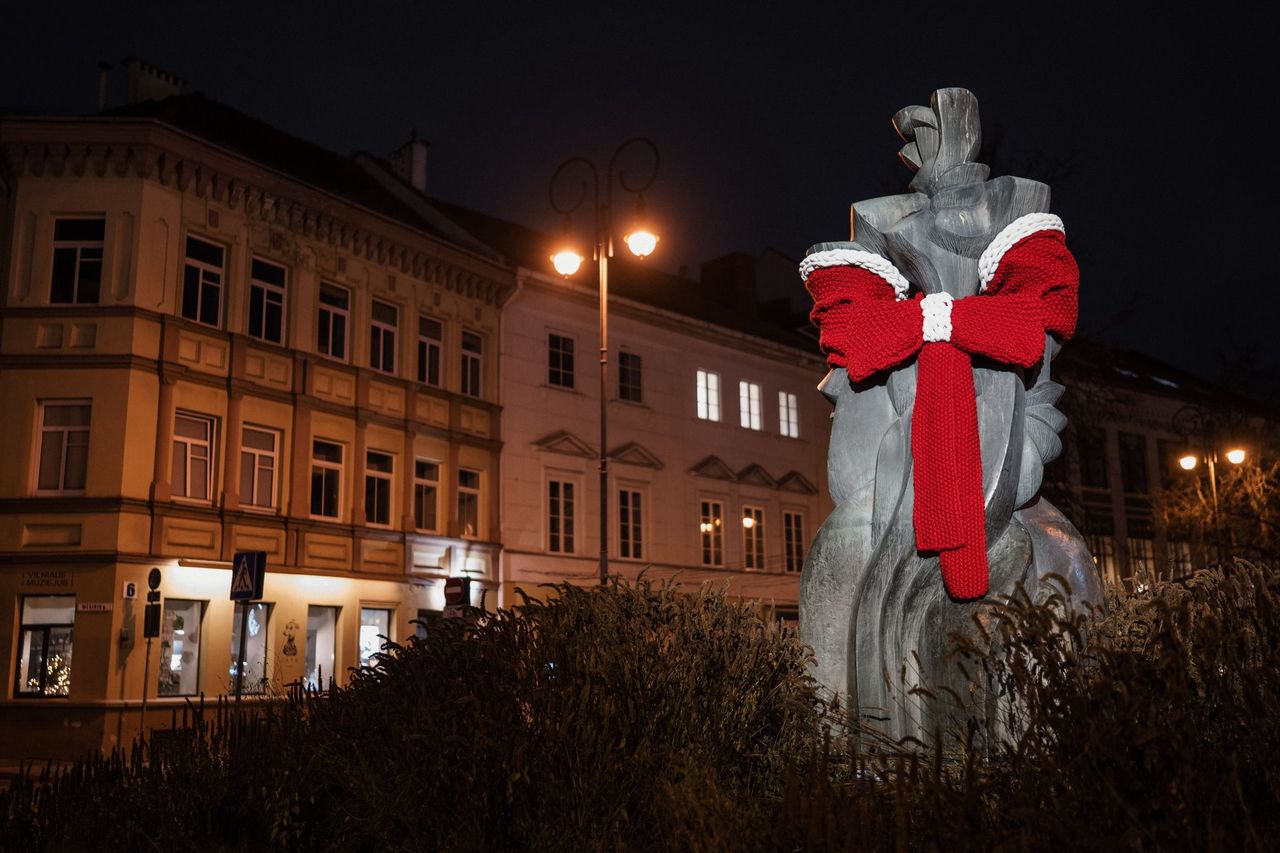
pixel 866 329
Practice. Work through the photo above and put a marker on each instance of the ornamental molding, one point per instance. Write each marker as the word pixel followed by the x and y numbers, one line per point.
pixel 192 166
pixel 565 442
pixel 715 468
pixel 634 453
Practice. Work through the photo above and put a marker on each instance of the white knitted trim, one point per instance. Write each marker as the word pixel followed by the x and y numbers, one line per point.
pixel 936 308
pixel 1023 226
pixel 878 264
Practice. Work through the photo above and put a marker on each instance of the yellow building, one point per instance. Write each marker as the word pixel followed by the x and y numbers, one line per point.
pixel 218 338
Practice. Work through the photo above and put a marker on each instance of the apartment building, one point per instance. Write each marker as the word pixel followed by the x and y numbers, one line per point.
pixel 218 338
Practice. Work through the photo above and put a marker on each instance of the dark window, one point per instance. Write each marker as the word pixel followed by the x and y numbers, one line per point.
pixel 630 544
pixel 426 488
pixel 266 302
pixel 472 351
pixel 326 478
pixel 560 360
pixel 331 328
pixel 560 509
pixel 1133 462
pixel 630 385
pixel 793 540
pixel 1092 448
pixel 202 282
pixel 382 337
pixel 377 487
pixel 468 502
pixel 77 261
pixel 430 342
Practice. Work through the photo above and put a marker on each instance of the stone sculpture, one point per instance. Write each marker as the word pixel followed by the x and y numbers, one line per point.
pixel 872 605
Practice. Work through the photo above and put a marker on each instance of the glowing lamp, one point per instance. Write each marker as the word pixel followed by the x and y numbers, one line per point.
pixel 641 242
pixel 748 522
pixel 567 262
pixel 1187 462
pixel 1235 456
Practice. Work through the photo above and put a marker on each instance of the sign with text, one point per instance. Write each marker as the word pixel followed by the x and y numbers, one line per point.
pixel 94 607
pixel 248 571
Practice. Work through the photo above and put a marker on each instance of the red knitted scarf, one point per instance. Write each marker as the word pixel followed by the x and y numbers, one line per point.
pixel 867 327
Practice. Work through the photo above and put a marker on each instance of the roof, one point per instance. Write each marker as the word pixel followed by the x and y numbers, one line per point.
pixel 629 279
pixel 290 155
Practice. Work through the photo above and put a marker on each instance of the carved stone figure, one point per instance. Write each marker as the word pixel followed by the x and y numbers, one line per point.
pixel 902 322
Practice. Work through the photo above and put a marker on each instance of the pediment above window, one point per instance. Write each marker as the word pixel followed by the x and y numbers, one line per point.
pixel 794 481
pixel 756 475
pixel 715 468
pixel 565 442
pixel 633 453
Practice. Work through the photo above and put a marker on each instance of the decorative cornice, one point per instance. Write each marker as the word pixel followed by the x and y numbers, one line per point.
pixel 565 442
pixel 715 468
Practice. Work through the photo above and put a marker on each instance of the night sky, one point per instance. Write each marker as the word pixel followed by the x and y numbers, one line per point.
pixel 771 120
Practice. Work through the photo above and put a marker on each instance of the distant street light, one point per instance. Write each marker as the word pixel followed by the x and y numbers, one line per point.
pixel 641 240
pixel 1193 420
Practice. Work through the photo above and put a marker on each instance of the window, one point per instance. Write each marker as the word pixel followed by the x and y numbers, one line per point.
pixel 793 541
pixel 382 337
pixel 254 663
pixel 560 515
pixel 44 645
pixel 711 529
pixel 426 489
pixel 630 540
pixel 472 345
pixel 430 342
pixel 788 415
pixel 1141 561
pixel 192 456
pixel 468 502
pixel 753 537
pixel 1103 548
pixel 749 405
pixel 64 446
pixel 1179 558
pixel 375 630
pixel 708 396
pixel 180 648
pixel 326 478
pixel 266 302
pixel 202 282
pixel 560 361
pixel 322 639
pixel 258 467
pixel 630 386
pixel 1133 462
pixel 77 261
pixel 377 487
pixel 1092 448
pixel 331 327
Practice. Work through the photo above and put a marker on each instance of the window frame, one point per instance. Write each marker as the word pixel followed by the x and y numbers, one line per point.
pixel 749 408
pixel 420 485
pixel 469 492
pixel 211 459
pixel 631 521
pixel 259 685
pixel 203 270
pixel 711 531
pixel 630 376
pixel 560 361
pixel 78 249
pixel 326 465
pixel 753 541
pixel 45 628
pixel 472 365
pixel 708 399
pixel 334 314
pixel 268 290
pixel 375 480
pixel 561 514
pixel 201 610
pixel 258 454
pixel 788 415
pixel 382 337
pixel 42 430
pixel 793 541
pixel 428 346
pixel 390 636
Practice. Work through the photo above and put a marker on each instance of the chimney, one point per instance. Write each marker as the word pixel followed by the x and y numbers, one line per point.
pixel 409 161
pixel 144 82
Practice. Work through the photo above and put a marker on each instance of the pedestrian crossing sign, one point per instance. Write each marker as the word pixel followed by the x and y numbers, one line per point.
pixel 248 570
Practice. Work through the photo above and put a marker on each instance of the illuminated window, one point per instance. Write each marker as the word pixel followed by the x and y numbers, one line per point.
pixel 753 537
pixel 788 415
pixel 266 302
pixel 711 532
pixel 749 405
pixel 375 631
pixel 322 645
pixel 180 648
pixel 44 645
pixel 254 663
pixel 382 337
pixel 77 261
pixel 202 280
pixel 64 446
pixel 331 324
pixel 708 395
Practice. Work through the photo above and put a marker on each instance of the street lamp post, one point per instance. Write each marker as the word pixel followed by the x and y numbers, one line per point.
pixel 640 240
pixel 1193 420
